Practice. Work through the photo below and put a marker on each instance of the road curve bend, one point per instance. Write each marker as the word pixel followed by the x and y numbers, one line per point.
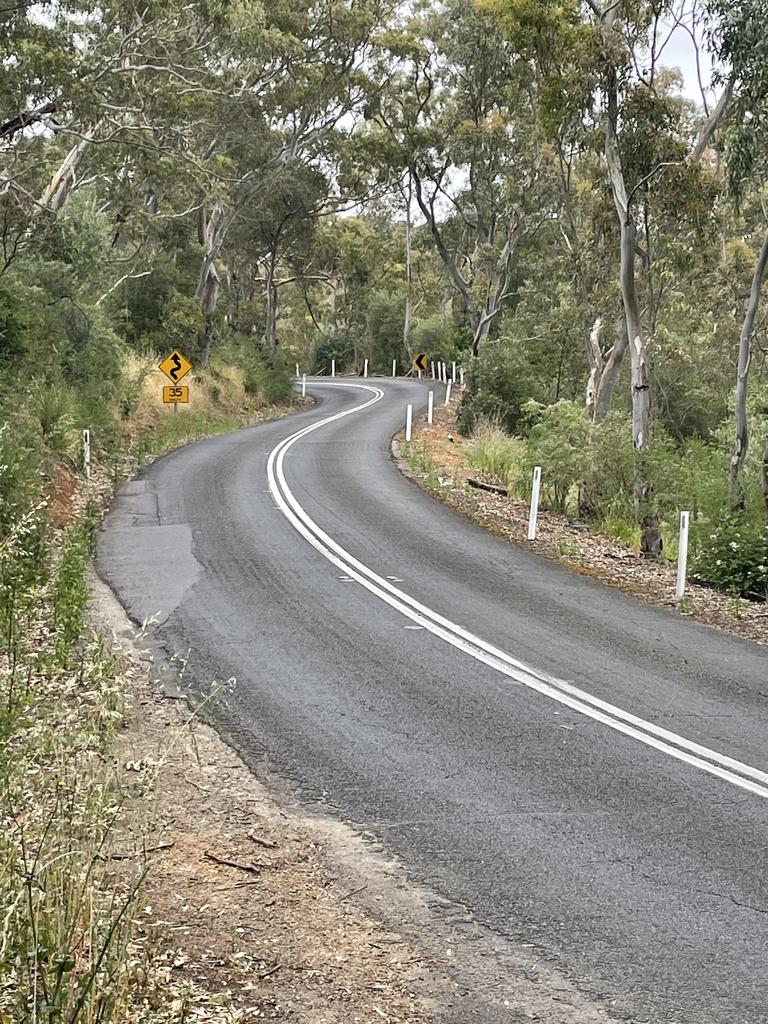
pixel 585 773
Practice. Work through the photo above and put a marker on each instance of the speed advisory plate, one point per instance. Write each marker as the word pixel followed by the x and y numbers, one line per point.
pixel 176 395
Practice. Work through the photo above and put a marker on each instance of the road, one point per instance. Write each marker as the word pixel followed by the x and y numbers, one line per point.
pixel 584 772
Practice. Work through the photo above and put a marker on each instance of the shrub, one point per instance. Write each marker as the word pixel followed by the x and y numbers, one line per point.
pixel 53 408
pixel 499 384
pixel 560 441
pixel 268 384
pixel 333 343
pixel 734 556
pixel 441 338
pixel 384 328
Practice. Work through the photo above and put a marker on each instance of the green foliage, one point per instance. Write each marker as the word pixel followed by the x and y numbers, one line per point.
pixel 53 408
pixel 332 344
pixel 442 337
pixel 500 383
pixel 69 588
pixel 559 440
pixel 65 924
pixel 270 384
pixel 733 555
pixel 384 328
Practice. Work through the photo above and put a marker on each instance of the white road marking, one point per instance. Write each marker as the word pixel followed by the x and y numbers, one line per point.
pixel 720 765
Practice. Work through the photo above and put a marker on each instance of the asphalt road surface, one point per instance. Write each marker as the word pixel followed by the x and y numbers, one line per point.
pixel 586 773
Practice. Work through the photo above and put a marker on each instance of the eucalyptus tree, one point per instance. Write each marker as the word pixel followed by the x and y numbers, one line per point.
pixel 459 117
pixel 740 42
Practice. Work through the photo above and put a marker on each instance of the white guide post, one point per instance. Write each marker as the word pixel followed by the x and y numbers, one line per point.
pixel 297 371
pixel 394 367
pixel 461 375
pixel 534 503
pixel 682 556
pixel 304 385
pixel 419 372
pixel 448 394
pixel 365 369
pixel 453 374
pixel 431 408
pixel 333 367
pixel 408 422
pixel 433 372
pixel 87 453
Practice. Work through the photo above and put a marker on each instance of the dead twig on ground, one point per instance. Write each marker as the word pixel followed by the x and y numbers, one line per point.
pixel 253 869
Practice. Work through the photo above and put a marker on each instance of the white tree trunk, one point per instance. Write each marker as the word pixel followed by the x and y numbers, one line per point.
pixel 609 377
pixel 641 391
pixel 408 322
pixel 741 442
pixel 65 178
pixel 595 363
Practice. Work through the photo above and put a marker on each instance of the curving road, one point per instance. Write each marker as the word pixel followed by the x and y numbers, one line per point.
pixel 582 771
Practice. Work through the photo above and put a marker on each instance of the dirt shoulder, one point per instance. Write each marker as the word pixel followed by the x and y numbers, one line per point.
pixel 437 459
pixel 245 919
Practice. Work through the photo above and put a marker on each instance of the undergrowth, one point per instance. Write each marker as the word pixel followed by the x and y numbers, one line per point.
pixel 67 908
pixel 66 918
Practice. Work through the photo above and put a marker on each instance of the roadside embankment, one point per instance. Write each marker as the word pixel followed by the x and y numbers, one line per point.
pixel 439 460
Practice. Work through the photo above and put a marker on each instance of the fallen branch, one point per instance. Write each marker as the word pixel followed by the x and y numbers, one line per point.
pixel 139 853
pixel 488 487
pixel 354 892
pixel 253 869
pixel 266 843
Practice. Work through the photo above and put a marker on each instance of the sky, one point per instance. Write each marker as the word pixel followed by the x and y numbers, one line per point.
pixel 680 52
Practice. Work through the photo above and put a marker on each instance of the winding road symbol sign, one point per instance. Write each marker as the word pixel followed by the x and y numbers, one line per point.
pixel 175 366
pixel 420 362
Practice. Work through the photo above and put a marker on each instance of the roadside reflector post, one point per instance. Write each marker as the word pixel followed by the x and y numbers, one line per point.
pixel 408 422
pixel 443 373
pixel 304 385
pixel 87 453
pixel 365 369
pixel 431 408
pixel 433 372
pixel 682 556
pixel 448 394
pixel 297 371
pixel 419 372
pixel 534 503
pixel 333 367
pixel 394 367
pixel 461 374
pixel 453 375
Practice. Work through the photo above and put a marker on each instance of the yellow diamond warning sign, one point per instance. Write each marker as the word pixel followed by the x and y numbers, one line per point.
pixel 175 366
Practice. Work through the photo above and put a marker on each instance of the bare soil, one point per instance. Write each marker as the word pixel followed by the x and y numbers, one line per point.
pixel 573 544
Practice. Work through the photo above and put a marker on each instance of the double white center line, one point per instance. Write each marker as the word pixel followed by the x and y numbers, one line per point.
pixel 727 768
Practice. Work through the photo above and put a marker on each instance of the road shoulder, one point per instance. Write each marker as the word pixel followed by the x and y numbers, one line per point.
pixel 436 462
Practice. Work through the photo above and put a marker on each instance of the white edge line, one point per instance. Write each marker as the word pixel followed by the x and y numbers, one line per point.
pixel 564 693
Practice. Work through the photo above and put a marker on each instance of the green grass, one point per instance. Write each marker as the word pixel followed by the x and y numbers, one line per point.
pixel 496 453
